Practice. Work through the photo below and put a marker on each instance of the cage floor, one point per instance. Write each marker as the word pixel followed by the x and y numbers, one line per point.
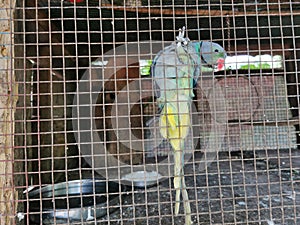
pixel 245 188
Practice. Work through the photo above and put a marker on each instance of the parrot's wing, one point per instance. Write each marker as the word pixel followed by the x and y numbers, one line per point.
pixel 165 63
pixel 173 68
pixel 172 61
pixel 163 70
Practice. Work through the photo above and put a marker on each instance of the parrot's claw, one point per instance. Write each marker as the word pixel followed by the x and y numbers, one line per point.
pixel 181 39
pixel 181 32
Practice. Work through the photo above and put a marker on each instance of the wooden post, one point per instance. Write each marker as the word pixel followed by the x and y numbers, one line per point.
pixel 8 99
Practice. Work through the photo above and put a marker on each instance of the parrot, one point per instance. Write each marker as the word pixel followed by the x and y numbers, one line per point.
pixel 175 71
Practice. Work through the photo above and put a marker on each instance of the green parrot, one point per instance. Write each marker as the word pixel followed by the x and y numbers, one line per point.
pixel 175 70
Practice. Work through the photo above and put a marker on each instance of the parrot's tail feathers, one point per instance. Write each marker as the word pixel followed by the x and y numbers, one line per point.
pixel 186 203
pixel 177 201
pixel 177 178
pixel 177 186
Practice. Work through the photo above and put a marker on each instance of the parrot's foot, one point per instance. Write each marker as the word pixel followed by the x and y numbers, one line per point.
pixel 180 39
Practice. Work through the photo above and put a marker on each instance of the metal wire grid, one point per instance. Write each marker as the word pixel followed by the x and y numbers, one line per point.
pixel 252 176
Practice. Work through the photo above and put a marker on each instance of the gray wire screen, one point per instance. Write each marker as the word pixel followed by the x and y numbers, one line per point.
pixel 87 138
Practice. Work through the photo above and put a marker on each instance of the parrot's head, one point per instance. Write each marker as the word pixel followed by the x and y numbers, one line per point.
pixel 211 54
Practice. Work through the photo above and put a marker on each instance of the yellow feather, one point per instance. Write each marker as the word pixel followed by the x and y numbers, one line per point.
pixel 163 126
pixel 172 115
pixel 176 144
pixel 175 121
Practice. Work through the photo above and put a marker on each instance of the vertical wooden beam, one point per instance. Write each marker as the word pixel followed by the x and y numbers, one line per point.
pixel 8 93
pixel 22 137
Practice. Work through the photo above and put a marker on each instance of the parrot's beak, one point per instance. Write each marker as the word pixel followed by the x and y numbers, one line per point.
pixel 220 64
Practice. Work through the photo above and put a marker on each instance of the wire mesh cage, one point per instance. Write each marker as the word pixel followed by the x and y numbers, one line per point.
pixel 91 91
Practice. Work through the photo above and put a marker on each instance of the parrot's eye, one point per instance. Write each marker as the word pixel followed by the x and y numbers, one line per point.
pixel 216 50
